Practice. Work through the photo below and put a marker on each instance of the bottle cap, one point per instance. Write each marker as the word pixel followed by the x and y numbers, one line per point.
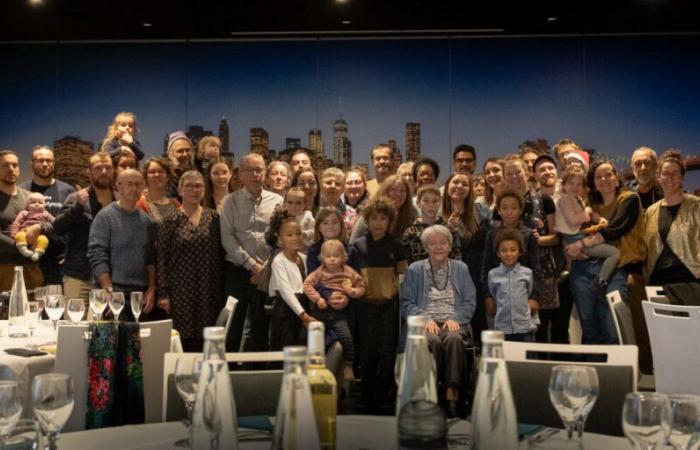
pixel 294 352
pixel 214 333
pixel 417 321
pixel 492 337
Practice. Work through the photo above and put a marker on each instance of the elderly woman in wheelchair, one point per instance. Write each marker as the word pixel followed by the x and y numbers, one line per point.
pixel 441 289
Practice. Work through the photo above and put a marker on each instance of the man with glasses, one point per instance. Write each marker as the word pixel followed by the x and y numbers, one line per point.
pixel 464 159
pixel 121 245
pixel 55 193
pixel 644 164
pixel 245 218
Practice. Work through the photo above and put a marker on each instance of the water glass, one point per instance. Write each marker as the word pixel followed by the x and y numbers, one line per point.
pixel 55 307
pixel 98 302
pixel 26 435
pixel 116 303
pixel 52 396
pixel 186 376
pixel 33 313
pixel 573 390
pixel 76 309
pixel 685 420
pixel 10 406
pixel 136 304
pixel 646 419
pixel 56 289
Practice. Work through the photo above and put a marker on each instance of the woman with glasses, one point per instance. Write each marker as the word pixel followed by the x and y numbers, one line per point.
pixel 672 231
pixel 157 172
pixel 190 264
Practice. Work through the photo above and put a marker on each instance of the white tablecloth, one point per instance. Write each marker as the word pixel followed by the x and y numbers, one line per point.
pixel 354 432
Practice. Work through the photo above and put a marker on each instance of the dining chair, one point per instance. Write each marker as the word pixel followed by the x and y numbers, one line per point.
pixel 622 317
pixel 674 332
pixel 529 368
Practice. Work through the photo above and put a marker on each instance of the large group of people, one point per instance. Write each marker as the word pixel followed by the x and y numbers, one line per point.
pixel 511 248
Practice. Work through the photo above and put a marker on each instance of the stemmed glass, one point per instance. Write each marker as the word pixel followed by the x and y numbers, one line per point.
pixel 10 407
pixel 40 297
pixel 116 303
pixel 55 306
pixel 573 390
pixel 646 419
pixel 56 289
pixel 685 420
pixel 25 435
pixel 52 395
pixel 76 309
pixel 186 377
pixel 98 302
pixel 136 304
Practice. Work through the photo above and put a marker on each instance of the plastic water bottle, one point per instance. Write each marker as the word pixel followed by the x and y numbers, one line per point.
pixel 493 414
pixel 17 325
pixel 295 423
pixel 214 416
pixel 421 421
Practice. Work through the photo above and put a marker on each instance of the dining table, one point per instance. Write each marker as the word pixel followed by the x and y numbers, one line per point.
pixel 354 432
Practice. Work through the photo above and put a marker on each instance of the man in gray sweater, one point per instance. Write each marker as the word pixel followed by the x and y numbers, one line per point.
pixel 121 244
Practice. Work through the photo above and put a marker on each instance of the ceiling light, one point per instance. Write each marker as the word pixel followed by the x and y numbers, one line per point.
pixel 36 2
pixel 346 22
pixel 147 25
pixel 340 2
pixel 551 19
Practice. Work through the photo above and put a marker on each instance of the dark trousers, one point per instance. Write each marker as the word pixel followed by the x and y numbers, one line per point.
pixel 251 306
pixel 447 348
pixel 554 323
pixel 287 327
pixel 337 321
pixel 378 325
pixel 521 337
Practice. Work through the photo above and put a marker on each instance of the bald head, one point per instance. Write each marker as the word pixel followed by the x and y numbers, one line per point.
pixel 130 185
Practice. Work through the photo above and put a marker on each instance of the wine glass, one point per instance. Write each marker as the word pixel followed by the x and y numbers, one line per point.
pixel 573 390
pixel 10 406
pixel 116 303
pixel 646 419
pixel 53 289
pixel 55 306
pixel 33 311
pixel 136 304
pixel 186 376
pixel 52 395
pixel 40 297
pixel 98 302
pixel 25 435
pixel 76 309
pixel 685 419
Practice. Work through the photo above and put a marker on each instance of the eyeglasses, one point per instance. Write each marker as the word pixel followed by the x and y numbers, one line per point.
pixel 255 170
pixel 665 174
pixel 464 160
pixel 304 184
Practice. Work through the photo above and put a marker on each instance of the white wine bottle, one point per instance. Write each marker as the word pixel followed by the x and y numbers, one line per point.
pixel 324 388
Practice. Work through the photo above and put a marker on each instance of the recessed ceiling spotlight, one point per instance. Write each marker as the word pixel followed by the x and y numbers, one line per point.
pixel 147 25
pixel 341 1
pixel 346 22
pixel 36 2
pixel 551 19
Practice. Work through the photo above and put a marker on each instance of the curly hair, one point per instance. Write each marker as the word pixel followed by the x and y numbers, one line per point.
pixel 380 205
pixel 508 234
pixel 278 218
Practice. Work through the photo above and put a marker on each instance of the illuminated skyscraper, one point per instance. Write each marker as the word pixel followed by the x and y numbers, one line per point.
pixel 72 154
pixel 412 141
pixel 291 143
pixel 316 143
pixel 342 147
pixel 259 142
pixel 223 135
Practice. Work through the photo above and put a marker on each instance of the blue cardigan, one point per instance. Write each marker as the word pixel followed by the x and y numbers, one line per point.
pixel 414 292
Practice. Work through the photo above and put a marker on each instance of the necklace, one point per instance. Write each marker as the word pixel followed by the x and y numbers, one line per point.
pixel 432 277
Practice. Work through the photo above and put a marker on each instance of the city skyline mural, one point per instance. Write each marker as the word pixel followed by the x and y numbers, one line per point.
pixel 343 96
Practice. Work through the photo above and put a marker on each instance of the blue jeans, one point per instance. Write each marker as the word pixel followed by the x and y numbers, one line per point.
pixel 596 320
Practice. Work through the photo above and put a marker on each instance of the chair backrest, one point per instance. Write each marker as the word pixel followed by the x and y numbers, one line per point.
pixel 656 294
pixel 256 392
pixel 155 342
pixel 622 316
pixel 674 332
pixel 71 358
pixel 530 366
pixel 226 315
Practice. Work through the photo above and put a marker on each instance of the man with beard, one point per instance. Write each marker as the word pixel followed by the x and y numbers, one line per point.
pixel 74 220
pixel 181 156
pixel 55 192
pixel 121 246
pixel 644 184
pixel 382 161
pixel 13 199
pixel 300 160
